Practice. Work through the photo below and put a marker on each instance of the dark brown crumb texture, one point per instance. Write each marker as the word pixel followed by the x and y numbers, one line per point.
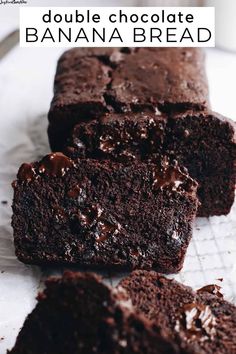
pixel 145 313
pixel 200 322
pixel 204 142
pixel 160 82
pixel 78 314
pixel 103 213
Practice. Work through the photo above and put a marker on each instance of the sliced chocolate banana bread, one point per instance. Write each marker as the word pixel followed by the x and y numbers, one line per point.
pixel 146 314
pixel 119 137
pixel 103 213
pixel 78 314
pixel 204 142
pixel 200 322
pixel 91 82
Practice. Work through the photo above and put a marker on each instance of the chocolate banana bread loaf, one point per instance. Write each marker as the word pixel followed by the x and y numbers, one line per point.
pixel 103 214
pixel 90 82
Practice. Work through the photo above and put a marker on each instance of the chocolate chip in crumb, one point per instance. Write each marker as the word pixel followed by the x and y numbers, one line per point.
pixel 55 165
pixel 213 289
pixel 105 229
pixel 107 143
pixel 90 215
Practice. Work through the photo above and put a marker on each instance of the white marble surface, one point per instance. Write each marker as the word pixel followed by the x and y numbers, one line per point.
pixel 26 77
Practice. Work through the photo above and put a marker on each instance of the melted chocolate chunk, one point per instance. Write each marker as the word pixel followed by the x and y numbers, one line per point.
pixel 52 165
pixel 211 289
pixel 197 322
pixel 26 172
pixel 90 215
pixel 93 219
pixel 173 178
pixel 55 165
pixel 118 137
pixel 170 176
pixel 106 229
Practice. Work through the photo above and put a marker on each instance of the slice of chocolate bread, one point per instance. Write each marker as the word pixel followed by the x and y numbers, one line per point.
pixel 204 142
pixel 103 214
pixel 89 83
pixel 145 313
pixel 78 314
pixel 199 322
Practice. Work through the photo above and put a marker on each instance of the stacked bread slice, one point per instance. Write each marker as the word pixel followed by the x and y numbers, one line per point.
pixel 146 314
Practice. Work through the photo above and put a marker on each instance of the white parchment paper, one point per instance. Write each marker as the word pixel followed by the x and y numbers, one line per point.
pixel 26 79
